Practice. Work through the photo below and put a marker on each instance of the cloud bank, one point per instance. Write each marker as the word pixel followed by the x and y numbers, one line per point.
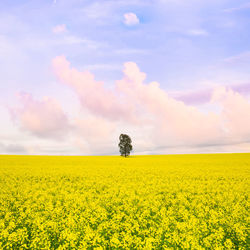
pixel 152 117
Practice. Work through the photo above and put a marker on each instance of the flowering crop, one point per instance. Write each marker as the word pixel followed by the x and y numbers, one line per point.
pixel 109 202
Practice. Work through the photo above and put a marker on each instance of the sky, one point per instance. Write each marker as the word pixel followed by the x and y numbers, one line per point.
pixel 172 74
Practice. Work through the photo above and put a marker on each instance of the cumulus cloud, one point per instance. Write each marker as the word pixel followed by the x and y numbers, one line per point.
pixel 154 119
pixel 173 121
pixel 94 129
pixel 165 120
pixel 61 28
pixel 235 114
pixel 131 19
pixel 43 118
pixel 92 94
pixel 95 134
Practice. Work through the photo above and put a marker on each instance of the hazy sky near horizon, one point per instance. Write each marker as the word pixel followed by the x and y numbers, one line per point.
pixel 173 74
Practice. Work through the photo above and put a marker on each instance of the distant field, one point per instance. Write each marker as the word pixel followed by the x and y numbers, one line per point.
pixel 176 201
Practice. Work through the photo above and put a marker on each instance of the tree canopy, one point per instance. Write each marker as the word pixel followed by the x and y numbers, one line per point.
pixel 125 145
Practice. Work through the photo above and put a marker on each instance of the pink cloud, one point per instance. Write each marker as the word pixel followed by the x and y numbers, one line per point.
pixel 202 96
pixel 59 29
pixel 162 118
pixel 235 114
pixel 131 19
pixel 174 122
pixel 94 129
pixel 153 118
pixel 92 94
pixel 42 118
pixel 243 89
pixel 95 134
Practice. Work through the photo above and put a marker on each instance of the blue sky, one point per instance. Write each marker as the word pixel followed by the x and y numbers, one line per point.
pixel 188 47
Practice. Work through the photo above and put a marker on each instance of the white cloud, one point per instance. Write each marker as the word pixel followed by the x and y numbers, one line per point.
pixel 126 51
pixel 90 44
pixel 198 32
pixel 100 66
pixel 131 19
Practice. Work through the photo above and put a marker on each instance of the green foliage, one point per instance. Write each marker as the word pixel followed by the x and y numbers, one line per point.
pixel 125 145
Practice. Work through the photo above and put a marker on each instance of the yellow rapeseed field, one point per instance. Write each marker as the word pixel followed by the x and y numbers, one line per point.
pixel 109 202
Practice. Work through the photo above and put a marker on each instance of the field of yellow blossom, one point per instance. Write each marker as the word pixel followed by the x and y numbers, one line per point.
pixel 110 202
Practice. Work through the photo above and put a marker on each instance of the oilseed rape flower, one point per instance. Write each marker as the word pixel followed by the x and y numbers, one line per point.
pixel 108 202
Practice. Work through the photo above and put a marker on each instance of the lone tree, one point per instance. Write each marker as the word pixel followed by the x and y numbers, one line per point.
pixel 125 145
